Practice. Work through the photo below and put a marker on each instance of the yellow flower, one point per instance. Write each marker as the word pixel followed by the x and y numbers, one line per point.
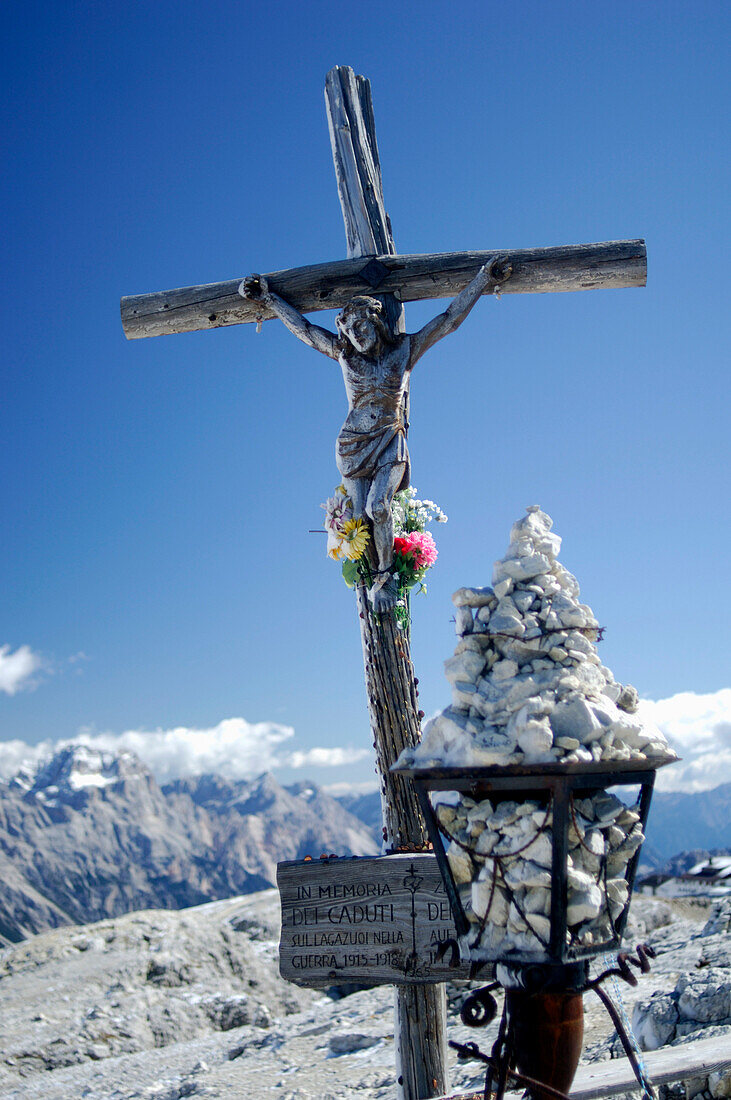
pixel 355 538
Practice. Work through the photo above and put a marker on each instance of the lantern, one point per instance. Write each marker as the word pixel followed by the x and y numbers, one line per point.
pixel 538 863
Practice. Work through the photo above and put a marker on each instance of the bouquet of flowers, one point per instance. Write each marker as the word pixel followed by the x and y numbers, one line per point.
pixel 347 537
pixel 414 549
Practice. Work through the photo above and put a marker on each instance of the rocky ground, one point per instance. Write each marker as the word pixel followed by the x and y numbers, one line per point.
pixel 161 1005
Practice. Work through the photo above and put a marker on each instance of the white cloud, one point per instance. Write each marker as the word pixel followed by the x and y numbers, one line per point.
pixel 699 729
pixel 15 755
pixel 367 786
pixel 17 669
pixel 697 726
pixel 235 748
pixel 326 758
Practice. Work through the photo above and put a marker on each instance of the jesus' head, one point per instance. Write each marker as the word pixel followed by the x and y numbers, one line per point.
pixel 362 325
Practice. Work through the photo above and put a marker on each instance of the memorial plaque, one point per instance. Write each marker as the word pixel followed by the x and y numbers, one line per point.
pixel 378 920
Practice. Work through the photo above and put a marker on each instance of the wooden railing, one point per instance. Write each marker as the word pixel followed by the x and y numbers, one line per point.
pixel 668 1065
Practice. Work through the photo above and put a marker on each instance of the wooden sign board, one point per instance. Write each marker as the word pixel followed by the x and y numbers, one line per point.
pixel 378 920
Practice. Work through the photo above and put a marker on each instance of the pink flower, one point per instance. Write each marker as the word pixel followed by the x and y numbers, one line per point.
pixel 420 545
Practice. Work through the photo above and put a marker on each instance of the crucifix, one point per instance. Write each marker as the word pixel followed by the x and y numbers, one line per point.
pixel 372 454
pixel 376 356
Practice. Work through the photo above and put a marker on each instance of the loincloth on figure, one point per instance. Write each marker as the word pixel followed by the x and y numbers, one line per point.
pixel 363 453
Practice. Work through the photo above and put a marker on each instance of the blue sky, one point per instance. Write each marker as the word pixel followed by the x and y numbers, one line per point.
pixel 158 494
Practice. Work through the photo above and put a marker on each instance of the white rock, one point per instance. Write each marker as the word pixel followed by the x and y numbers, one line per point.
pixel 515 839
pixel 504 670
pixel 569 743
pixel 617 894
pixel 467 666
pixel 632 733
pixel 719 1083
pixel 463 620
pixel 540 924
pixel 591 680
pixel 579 881
pixel 523 600
pixel 535 738
pixel 575 718
pixel 659 750
pixel 505 814
pixel 440 732
pixel 483 895
pixel 595 842
pixel 537 901
pixel 606 807
pixel 483 755
pixel 580 644
pixel 501 623
pixel 631 844
pixel 584 906
pixel 523 568
pixel 525 943
pixel 611 690
pixel 348 1042
pixel 486 842
pixel 460 863
pixel 617 864
pixel 566 580
pixel 473 597
pixel 504 586
pixel 535 522
pixel 547 583
pixel 525 872
pixel 462 693
pixel 540 850
pixel 481 811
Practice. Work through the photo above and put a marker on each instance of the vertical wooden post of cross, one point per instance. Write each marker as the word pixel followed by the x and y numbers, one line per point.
pixel 420 1010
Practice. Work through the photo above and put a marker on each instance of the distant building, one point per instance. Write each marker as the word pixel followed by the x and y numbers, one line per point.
pixel 711 878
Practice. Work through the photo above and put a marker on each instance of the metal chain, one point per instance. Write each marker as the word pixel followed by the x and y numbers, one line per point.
pixel 609 961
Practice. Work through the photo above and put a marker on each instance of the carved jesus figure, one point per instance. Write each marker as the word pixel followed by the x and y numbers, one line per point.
pixel 371 453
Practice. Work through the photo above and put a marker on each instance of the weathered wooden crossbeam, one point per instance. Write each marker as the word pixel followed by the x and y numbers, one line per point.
pixel 609 265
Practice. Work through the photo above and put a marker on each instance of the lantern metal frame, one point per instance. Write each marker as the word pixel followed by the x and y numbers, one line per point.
pixel 554 784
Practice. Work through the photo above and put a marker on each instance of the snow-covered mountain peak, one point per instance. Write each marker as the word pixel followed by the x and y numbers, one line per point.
pixel 79 767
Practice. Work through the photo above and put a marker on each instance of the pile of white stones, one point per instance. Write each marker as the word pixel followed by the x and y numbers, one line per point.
pixel 500 857
pixel 529 688
pixel 527 683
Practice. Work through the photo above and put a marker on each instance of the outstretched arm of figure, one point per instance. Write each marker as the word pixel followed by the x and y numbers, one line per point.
pixel 491 275
pixel 256 289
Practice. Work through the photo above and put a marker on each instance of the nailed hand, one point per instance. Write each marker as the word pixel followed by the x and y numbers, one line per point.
pixel 254 287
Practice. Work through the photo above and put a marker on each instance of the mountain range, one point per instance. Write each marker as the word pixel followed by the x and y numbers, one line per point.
pixel 89 835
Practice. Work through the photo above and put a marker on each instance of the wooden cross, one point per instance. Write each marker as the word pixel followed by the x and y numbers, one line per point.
pixel 373 267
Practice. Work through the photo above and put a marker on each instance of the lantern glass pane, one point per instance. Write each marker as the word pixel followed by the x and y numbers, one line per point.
pixel 500 851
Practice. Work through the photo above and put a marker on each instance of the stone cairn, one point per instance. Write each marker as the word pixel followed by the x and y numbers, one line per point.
pixel 529 688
